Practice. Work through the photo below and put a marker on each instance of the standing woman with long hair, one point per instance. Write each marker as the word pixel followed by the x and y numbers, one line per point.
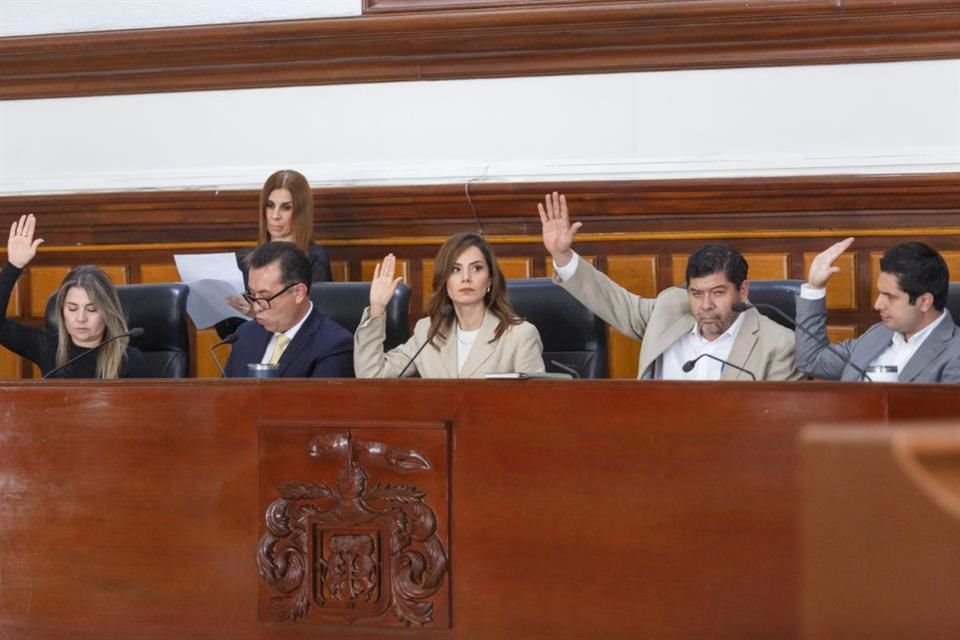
pixel 470 327
pixel 88 314
pixel 286 214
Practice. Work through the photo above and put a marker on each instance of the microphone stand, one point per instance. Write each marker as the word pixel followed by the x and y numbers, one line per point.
pixel 133 333
pixel 690 364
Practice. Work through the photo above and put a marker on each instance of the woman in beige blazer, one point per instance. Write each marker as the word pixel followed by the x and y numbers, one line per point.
pixel 470 329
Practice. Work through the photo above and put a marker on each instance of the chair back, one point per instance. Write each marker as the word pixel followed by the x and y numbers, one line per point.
pixel 953 301
pixel 345 302
pixel 161 311
pixel 572 335
pixel 781 294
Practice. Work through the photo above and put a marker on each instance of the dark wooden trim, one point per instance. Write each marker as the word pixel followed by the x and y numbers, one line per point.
pixel 585 37
pixel 416 6
pixel 778 206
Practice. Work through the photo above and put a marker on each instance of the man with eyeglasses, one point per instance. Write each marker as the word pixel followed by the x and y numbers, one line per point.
pixel 288 330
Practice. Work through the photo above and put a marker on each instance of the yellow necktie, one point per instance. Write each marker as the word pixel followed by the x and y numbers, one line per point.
pixel 278 347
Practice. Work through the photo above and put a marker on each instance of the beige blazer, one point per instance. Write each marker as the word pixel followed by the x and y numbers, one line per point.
pixel 762 346
pixel 518 350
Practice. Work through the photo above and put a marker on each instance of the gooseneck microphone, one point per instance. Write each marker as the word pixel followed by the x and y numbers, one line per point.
pixel 743 306
pixel 230 339
pixel 133 333
pixel 566 369
pixel 445 312
pixel 690 364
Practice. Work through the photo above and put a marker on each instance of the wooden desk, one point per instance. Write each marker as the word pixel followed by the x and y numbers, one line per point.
pixel 593 509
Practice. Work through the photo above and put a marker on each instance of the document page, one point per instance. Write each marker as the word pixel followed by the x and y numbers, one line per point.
pixel 211 278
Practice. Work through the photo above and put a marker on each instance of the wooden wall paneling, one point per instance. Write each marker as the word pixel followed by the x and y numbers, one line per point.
pixel 840 332
pixel 44 281
pixel 515 268
pixel 768 266
pixel 474 43
pixel 640 275
pixel 202 340
pixel 10 363
pixel 367 267
pixel 842 287
pixel 159 273
pixel 340 270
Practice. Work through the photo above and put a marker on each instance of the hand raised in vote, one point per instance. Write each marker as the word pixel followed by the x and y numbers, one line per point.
pixel 822 267
pixel 383 285
pixel 21 246
pixel 558 233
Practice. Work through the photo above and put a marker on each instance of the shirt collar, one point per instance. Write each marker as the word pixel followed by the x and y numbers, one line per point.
pixel 921 335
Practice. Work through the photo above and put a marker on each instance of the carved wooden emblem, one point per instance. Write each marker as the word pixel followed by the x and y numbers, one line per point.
pixel 357 550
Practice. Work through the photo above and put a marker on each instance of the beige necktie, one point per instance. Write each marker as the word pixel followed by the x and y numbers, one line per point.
pixel 278 347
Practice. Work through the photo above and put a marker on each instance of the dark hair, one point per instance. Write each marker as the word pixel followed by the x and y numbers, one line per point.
pixel 294 264
pixel 715 258
pixel 919 269
pixel 301 223
pixel 495 299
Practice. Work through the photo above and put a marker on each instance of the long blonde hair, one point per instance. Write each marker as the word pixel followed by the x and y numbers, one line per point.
pixel 102 293
pixel 302 221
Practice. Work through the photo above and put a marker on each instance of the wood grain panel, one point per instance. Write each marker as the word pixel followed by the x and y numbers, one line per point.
pixel 204 363
pixel 340 270
pixel 367 267
pixel 686 213
pixel 159 273
pixel 842 287
pixel 639 275
pixel 839 332
pixel 767 266
pixel 44 281
pixel 470 43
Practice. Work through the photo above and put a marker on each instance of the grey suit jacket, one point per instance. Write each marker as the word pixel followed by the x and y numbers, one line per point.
pixel 937 359
pixel 762 346
pixel 518 350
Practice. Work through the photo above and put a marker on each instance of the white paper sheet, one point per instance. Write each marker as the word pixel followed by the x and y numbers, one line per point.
pixel 211 278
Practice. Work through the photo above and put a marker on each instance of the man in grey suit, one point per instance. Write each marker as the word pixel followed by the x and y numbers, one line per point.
pixel 915 333
pixel 687 334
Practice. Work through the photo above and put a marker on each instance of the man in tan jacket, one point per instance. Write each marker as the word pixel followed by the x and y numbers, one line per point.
pixel 687 334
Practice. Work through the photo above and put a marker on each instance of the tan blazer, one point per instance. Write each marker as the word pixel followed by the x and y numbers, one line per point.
pixel 762 346
pixel 518 350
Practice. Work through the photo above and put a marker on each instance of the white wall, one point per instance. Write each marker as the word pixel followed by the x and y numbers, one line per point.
pixel 23 17
pixel 889 118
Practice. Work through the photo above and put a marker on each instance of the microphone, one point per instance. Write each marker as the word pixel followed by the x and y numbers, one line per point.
pixel 743 306
pixel 566 369
pixel 230 339
pixel 445 312
pixel 690 364
pixel 133 333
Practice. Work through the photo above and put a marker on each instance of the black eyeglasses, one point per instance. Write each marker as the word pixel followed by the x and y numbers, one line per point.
pixel 264 303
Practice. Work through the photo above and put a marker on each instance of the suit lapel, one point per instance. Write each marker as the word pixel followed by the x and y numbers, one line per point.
pixel 743 346
pixel 482 348
pixel 932 347
pixel 300 341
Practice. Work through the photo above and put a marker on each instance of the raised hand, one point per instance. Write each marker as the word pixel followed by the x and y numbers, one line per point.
pixel 383 285
pixel 822 267
pixel 558 233
pixel 21 247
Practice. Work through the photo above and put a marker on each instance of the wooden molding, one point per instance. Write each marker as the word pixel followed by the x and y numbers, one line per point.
pixel 542 39
pixel 757 207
